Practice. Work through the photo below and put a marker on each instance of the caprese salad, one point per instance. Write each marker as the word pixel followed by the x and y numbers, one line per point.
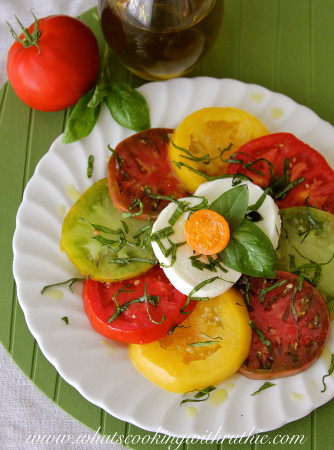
pixel 209 249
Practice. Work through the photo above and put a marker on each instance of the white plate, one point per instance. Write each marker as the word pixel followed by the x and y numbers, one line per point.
pixel 102 372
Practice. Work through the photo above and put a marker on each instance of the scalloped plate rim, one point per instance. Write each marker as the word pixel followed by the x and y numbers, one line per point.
pixel 171 85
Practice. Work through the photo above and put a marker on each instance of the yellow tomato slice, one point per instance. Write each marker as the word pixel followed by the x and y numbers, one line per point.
pixel 206 133
pixel 209 347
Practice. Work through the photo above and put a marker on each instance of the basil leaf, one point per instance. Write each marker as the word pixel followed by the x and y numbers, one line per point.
pixel 250 251
pixel 82 119
pixel 128 107
pixel 232 205
pixel 101 90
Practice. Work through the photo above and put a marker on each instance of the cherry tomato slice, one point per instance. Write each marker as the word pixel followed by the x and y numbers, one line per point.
pixel 141 160
pixel 304 161
pixel 207 232
pixel 140 321
pixel 284 342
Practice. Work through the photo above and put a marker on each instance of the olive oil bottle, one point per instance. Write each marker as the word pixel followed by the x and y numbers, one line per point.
pixel 160 39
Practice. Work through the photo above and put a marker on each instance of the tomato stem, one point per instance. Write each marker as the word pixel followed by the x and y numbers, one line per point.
pixel 29 39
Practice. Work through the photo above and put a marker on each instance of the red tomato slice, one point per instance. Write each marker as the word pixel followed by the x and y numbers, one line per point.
pixel 142 160
pixel 287 346
pixel 135 324
pixel 304 161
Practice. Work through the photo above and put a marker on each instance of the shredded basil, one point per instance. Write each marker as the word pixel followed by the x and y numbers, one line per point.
pixel 180 164
pixel 70 283
pixel 119 161
pixel 298 287
pixel 200 396
pixel 212 340
pixel 265 341
pixel 163 233
pixel 312 224
pixel 259 201
pixel 65 319
pixel 153 299
pixel 266 385
pixel 196 289
pixel 102 228
pixel 263 292
pixel 312 278
pixel 211 265
pixel 130 260
pixel 90 166
pixel 168 198
pixel 128 214
pixel 205 159
pixel 330 371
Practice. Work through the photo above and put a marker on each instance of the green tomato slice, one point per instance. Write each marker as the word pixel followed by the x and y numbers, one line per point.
pixel 306 245
pixel 100 243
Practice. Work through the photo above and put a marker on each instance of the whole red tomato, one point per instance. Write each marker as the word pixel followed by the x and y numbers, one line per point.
pixel 55 72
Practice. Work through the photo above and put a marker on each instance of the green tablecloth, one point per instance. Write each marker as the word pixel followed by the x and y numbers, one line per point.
pixel 284 45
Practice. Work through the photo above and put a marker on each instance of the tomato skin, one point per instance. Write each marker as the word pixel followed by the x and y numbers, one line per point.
pixel 290 353
pixel 134 324
pixel 62 72
pixel 304 161
pixel 145 161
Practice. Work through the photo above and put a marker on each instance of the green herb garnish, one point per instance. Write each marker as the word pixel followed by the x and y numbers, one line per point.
pixel 261 336
pixel 210 341
pixel 70 283
pixel 266 385
pixel 90 164
pixel 128 214
pixel 65 319
pixel 330 371
pixel 153 299
pixel 130 260
pixel 119 161
pixel 200 396
pixel 263 292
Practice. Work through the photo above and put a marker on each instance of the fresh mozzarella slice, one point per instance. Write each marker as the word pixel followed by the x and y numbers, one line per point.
pixel 271 223
pixel 185 276
pixel 182 274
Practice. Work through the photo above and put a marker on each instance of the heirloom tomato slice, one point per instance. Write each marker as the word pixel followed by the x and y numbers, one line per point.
pixel 283 155
pixel 100 243
pixel 308 242
pixel 139 161
pixel 209 346
pixel 206 138
pixel 138 310
pixel 290 322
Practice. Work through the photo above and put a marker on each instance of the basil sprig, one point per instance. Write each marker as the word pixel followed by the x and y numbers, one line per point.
pixel 249 250
pixel 127 106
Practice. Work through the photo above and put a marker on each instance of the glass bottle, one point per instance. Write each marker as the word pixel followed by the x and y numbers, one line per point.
pixel 160 39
